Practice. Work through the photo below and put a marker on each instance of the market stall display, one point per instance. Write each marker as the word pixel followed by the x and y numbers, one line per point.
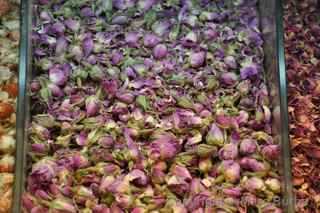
pixel 302 39
pixel 150 106
pixel 9 57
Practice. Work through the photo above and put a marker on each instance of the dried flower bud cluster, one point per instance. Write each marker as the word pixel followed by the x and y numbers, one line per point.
pixel 149 106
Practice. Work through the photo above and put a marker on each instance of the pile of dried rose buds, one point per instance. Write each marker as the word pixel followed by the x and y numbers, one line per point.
pixel 149 106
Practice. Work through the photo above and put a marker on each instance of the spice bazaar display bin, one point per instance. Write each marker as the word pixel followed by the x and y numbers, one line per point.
pixel 152 106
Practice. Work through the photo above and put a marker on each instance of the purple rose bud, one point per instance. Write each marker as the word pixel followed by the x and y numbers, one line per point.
pixel 45 16
pixel 42 132
pixel 228 152
pixel 248 72
pixel 35 86
pixel 101 208
pixel 165 146
pixel 230 170
pixel 161 28
pixel 127 98
pixel 42 194
pixel 160 51
pixel 233 191
pixel 230 61
pixel 77 52
pixel 106 142
pixel 88 46
pixel 116 58
pixel 242 118
pixel 55 90
pixel 252 164
pixel 110 87
pixel 215 136
pixel 150 40
pixel 196 186
pixel 28 201
pixel 254 184
pixel 138 177
pixel 79 161
pixel 273 184
pixel 123 4
pixel 81 139
pixel 61 46
pixel 87 12
pixel 58 28
pixel 197 59
pixel 271 152
pixel 57 76
pixel 145 5
pixel 228 79
pixel 64 205
pixel 92 106
pixel 211 34
pixel 248 146
pixel 177 185
pixel 138 210
pixel 38 148
pixel 43 172
pixel 132 39
pixel 120 19
pixel 72 24
pixel 181 171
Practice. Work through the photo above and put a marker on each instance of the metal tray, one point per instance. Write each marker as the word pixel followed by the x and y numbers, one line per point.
pixel 274 71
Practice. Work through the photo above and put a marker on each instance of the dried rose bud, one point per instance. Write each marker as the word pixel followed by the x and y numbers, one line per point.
pixel 92 106
pixel 228 152
pixel 230 61
pixel 150 40
pixel 181 171
pixel 271 151
pixel 230 170
pixel 138 177
pixel 273 184
pixel 205 165
pixel 215 136
pixel 57 76
pixel 160 51
pixel 197 59
pixel 254 184
pixel 229 79
pixel 43 171
pixel 42 132
pixel 252 164
pixel 106 142
pixel 196 186
pixel 81 139
pixel 248 146
pixel 63 204
pixel 233 191
pixel 166 146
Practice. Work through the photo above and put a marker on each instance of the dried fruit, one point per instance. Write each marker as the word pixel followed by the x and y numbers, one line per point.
pixel 6 110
